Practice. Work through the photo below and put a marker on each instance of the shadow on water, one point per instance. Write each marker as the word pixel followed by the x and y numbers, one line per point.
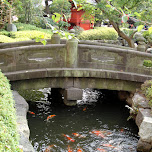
pixel 99 122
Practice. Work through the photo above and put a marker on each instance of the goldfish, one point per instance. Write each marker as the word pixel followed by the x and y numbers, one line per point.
pixel 31 112
pixel 69 149
pixel 50 116
pixel 99 133
pixel 78 135
pixel 108 145
pixel 48 148
pixel 101 150
pixel 69 138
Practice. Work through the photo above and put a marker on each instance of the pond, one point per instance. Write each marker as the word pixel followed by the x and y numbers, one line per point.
pixel 97 123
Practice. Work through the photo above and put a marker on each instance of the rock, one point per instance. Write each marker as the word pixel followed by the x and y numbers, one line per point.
pixel 21 110
pixel 143 146
pixel 142 113
pixel 145 130
pixel 139 101
pixel 11 28
pixel 149 50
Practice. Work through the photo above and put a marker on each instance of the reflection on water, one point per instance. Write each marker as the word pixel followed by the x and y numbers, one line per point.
pixel 98 127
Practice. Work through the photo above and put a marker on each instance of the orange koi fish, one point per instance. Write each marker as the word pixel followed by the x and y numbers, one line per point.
pixel 122 130
pixel 98 133
pixel 84 109
pixel 31 112
pixel 78 135
pixel 69 138
pixel 108 145
pixel 101 150
pixel 69 149
pixel 79 150
pixel 50 116
pixel 48 148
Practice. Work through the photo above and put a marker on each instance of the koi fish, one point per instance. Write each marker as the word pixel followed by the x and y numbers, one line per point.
pixel 98 133
pixel 50 116
pixel 69 138
pixel 108 145
pixel 79 150
pixel 101 150
pixel 78 135
pixel 31 112
pixel 84 109
pixel 48 148
pixel 122 130
pixel 69 149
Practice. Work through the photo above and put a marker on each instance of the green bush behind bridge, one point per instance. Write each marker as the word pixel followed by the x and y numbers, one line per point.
pixel 9 138
pixel 100 33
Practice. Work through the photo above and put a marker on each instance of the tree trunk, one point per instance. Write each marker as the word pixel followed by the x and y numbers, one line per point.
pixel 124 36
pixel 47 8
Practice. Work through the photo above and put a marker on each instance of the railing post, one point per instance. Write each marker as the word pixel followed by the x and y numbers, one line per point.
pixel 55 39
pixel 71 53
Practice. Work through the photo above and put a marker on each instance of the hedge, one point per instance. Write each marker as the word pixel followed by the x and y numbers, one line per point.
pixel 101 33
pixel 9 138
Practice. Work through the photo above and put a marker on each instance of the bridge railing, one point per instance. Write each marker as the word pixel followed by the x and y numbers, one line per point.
pixel 73 55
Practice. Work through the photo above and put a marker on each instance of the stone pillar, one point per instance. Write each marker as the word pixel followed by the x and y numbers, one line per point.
pixel 141 44
pixel 55 39
pixel 71 53
pixel 71 95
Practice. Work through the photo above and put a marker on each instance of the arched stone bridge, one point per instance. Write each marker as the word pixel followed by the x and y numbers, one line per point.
pixel 30 65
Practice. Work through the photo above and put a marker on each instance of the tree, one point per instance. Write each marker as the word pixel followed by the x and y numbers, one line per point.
pixel 7 8
pixel 118 11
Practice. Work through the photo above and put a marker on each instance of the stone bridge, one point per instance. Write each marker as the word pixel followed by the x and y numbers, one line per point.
pixel 72 64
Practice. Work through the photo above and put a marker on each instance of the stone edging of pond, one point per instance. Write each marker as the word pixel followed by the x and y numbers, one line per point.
pixel 143 120
pixel 21 111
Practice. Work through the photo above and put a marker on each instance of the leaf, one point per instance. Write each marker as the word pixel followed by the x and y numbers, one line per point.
pixel 43 42
pixel 42 36
pixel 150 30
pixel 108 6
pixel 137 14
pixel 80 8
pixel 53 17
pixel 124 18
pixel 140 27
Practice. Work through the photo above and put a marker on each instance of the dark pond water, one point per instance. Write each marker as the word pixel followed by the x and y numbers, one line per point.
pixel 99 127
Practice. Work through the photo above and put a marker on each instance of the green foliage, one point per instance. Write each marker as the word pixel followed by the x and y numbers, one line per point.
pixel 101 33
pixel 8 127
pixel 61 7
pixel 78 30
pixel 31 95
pixel 147 63
pixel 32 34
pixel 5 39
pixel 147 90
pixel 148 36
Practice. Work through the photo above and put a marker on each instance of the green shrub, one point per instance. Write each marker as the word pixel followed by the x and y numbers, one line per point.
pixel 8 127
pixel 25 27
pixel 5 39
pixel 33 34
pixel 3 32
pixel 147 63
pixel 147 36
pixel 147 90
pixel 100 33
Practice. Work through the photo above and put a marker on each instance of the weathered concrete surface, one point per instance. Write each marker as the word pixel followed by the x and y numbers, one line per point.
pixel 22 125
pixel 143 146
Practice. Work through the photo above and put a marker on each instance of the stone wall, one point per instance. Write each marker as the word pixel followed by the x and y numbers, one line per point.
pixel 22 125
pixel 143 119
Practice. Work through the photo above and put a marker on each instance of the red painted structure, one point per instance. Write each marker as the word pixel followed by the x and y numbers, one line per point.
pixel 76 19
